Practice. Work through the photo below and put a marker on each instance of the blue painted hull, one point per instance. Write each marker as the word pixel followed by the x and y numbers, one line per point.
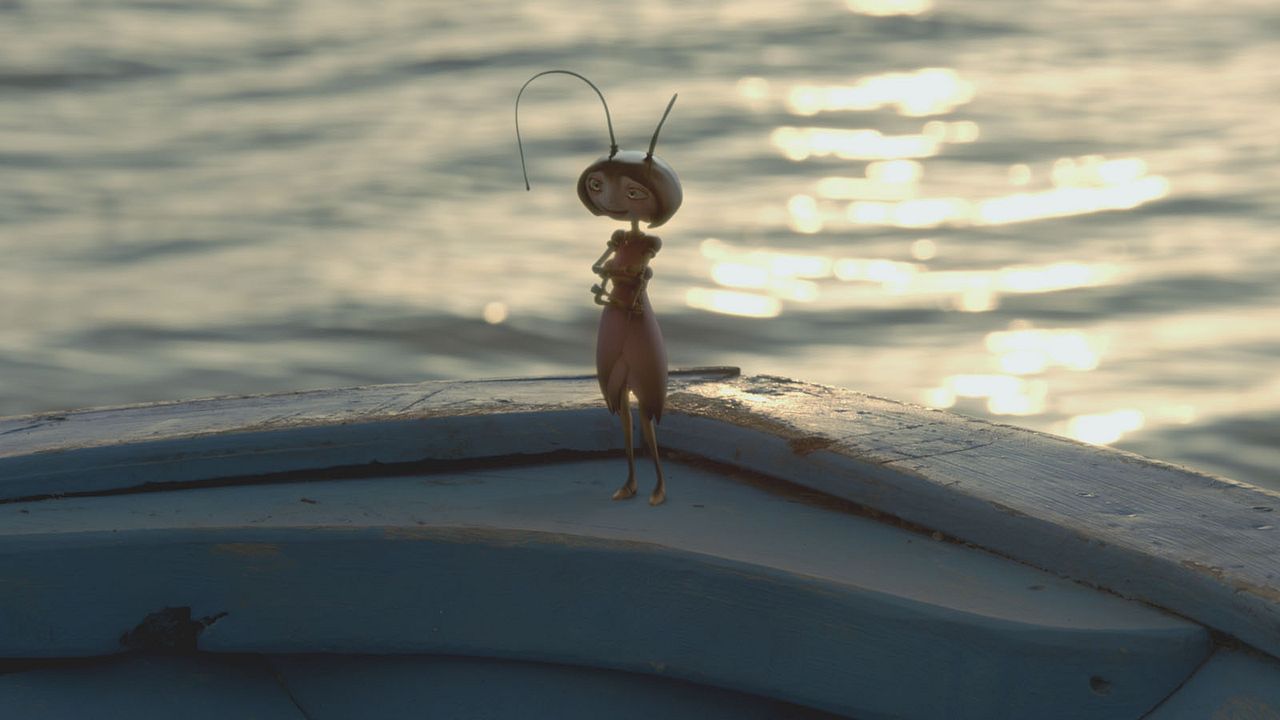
pixel 366 553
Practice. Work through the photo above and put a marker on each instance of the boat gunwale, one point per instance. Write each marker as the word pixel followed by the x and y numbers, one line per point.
pixel 1079 511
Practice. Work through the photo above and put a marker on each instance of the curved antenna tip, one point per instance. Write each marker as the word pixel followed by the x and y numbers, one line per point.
pixel 613 143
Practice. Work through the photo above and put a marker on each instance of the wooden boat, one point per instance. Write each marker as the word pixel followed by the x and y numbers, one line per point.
pixel 450 550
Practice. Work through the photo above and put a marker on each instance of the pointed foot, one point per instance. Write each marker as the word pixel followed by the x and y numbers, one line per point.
pixel 625 492
pixel 658 497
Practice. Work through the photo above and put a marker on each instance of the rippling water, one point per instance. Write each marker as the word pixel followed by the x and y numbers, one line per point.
pixel 1056 214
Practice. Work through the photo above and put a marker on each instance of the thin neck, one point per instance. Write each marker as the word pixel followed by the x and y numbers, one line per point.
pixel 635 226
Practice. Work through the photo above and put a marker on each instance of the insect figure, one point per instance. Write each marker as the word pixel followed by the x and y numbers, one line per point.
pixel 635 187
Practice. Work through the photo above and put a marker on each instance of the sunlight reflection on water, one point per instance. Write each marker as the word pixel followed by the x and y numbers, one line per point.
pixel 889 8
pixel 790 276
pixel 1062 215
pixel 894 192
pixel 1032 350
pixel 801 144
pixel 1105 428
pixel 886 196
pixel 928 91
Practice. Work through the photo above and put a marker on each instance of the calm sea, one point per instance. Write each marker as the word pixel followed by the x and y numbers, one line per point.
pixel 1053 214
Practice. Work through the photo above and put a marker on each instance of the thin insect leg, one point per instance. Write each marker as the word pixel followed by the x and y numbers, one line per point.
pixel 628 490
pixel 651 439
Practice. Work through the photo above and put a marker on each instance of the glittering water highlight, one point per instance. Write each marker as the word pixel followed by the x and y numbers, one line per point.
pixel 1056 215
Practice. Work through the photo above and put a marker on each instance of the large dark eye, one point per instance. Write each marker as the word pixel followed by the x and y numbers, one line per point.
pixel 637 193
pixel 594 185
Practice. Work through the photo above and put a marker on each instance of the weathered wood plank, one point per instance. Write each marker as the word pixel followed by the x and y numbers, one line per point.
pixel 730 585
pixel 149 687
pixel 341 443
pixel 145 423
pixel 1205 547
pixel 391 688
pixel 104 449
pixel 123 447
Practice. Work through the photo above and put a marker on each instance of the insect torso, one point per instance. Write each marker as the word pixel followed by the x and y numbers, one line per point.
pixel 625 271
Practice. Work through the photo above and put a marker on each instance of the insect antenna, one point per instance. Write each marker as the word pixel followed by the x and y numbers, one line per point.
pixel 613 143
pixel 654 142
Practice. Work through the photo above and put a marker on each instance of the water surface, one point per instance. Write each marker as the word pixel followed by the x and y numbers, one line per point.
pixel 1057 215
